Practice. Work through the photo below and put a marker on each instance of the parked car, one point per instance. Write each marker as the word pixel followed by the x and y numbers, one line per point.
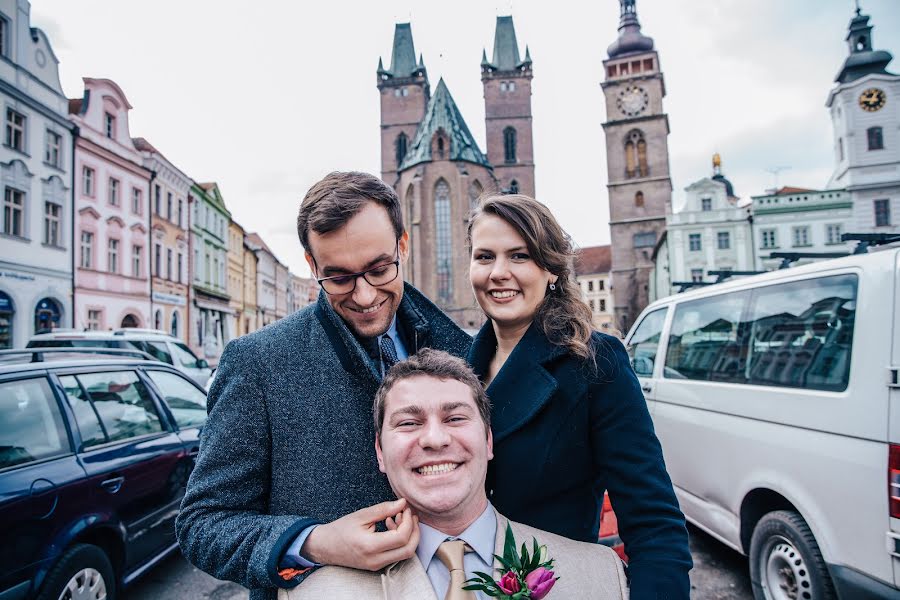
pixel 776 399
pixel 96 446
pixel 154 342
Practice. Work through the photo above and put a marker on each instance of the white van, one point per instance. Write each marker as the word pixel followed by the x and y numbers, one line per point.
pixel 154 342
pixel 777 401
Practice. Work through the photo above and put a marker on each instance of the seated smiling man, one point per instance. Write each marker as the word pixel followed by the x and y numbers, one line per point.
pixel 433 441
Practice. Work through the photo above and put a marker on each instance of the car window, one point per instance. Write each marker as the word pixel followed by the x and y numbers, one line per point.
pixel 159 351
pixel 709 340
pixel 63 343
pixel 645 342
pixel 31 426
pixel 802 333
pixel 184 355
pixel 85 415
pixel 187 403
pixel 123 403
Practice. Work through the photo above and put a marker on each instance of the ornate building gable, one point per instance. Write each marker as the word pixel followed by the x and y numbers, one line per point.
pixel 102 115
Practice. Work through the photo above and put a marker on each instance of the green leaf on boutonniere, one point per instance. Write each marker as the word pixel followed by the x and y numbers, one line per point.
pixel 510 556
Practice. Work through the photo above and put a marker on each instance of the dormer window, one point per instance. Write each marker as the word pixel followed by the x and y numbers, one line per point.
pixel 706 204
pixel 109 125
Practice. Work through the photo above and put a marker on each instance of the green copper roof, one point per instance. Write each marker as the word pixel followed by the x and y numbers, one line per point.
pixel 442 113
pixel 403 56
pixel 506 48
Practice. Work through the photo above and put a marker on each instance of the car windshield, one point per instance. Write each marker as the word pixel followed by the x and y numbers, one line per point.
pixel 184 355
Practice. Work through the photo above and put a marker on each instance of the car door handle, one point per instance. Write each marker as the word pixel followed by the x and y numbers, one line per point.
pixel 193 452
pixel 113 485
pixel 647 388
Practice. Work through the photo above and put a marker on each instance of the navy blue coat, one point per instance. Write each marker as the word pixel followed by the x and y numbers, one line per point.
pixel 563 434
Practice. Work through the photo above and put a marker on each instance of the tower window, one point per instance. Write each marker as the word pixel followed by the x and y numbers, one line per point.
pixel 401 146
pixel 639 199
pixel 444 244
pixel 875 137
pixel 636 155
pixel 509 145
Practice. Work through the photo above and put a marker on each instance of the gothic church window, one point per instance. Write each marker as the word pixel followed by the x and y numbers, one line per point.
pixel 875 137
pixel 636 155
pixel 444 242
pixel 509 144
pixel 401 146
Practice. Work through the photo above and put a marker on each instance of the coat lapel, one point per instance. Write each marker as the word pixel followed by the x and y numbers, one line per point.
pixel 523 386
pixel 407 580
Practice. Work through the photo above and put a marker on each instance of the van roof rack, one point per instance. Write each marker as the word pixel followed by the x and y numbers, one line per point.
pixel 684 285
pixel 725 274
pixel 38 354
pixel 788 258
pixel 869 239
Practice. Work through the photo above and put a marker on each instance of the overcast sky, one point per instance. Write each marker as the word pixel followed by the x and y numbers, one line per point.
pixel 267 97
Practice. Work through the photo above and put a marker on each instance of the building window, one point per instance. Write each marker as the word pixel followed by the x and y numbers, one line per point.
pixel 800 236
pixel 644 240
pixel 136 201
pixel 52 218
pixel 179 267
pixel 4 37
pixel 87 181
pixel 136 252
pixel 180 213
pixel 724 240
pixel 601 284
pixel 15 130
pixel 174 326
pixel 169 264
pixel 768 238
pixel 157 319
pixel 14 212
pixel 157 259
pixel 444 241
pixel 402 143
pixel 87 250
pixel 53 149
pixel 196 264
pixel 509 145
pixel 169 206
pixel 602 305
pixel 639 199
pixel 109 125
pixel 208 270
pixel 694 242
pixel 696 275
pixel 706 204
pixel 636 155
pixel 157 200
pixel 882 213
pixel 113 191
pixel 875 137
pixel 94 318
pixel 840 149
pixel 590 285
pixel 833 233
pixel 112 256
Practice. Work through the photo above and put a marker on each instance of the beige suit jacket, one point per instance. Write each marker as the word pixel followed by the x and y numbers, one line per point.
pixel 585 571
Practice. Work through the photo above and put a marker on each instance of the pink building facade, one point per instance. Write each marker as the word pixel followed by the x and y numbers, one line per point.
pixel 112 284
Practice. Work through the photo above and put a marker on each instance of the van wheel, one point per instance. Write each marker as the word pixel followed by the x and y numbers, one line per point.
pixel 83 573
pixel 785 561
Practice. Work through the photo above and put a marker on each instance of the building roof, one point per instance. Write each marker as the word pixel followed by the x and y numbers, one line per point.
pixel 403 55
pixel 443 114
pixel 785 190
pixel 593 260
pixel 863 59
pixel 630 40
pixel 257 241
pixel 144 146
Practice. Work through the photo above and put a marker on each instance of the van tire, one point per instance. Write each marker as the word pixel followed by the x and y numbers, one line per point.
pixel 784 556
pixel 79 561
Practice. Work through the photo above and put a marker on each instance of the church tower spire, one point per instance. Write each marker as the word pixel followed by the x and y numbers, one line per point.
pixel 404 96
pixel 862 60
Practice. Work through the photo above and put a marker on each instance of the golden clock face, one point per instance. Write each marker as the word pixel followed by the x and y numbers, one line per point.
pixel 872 99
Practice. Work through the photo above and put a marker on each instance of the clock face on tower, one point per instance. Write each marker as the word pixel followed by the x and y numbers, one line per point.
pixel 632 101
pixel 872 99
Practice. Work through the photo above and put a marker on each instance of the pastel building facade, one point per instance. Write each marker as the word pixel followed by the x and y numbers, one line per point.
pixel 36 181
pixel 266 279
pixel 112 283
pixel 210 303
pixel 592 273
pixel 169 250
pixel 236 279
pixel 250 315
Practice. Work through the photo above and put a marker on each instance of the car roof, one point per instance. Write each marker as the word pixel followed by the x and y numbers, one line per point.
pixel 102 363
pixel 102 335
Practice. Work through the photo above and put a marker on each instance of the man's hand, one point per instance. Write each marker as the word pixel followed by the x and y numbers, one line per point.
pixel 352 541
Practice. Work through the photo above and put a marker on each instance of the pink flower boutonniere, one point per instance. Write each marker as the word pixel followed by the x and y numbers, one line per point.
pixel 523 576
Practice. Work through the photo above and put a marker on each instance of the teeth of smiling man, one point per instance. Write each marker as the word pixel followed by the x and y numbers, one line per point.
pixel 371 309
pixel 435 469
pixel 508 294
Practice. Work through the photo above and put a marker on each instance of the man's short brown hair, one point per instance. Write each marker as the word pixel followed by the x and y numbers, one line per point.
pixel 440 365
pixel 334 200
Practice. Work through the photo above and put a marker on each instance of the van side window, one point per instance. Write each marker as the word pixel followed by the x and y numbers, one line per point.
pixel 31 426
pixel 645 342
pixel 708 341
pixel 157 350
pixel 802 333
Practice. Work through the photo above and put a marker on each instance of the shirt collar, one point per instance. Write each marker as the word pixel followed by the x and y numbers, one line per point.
pixel 480 535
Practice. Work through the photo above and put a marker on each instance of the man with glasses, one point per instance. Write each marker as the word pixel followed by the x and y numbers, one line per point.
pixel 286 479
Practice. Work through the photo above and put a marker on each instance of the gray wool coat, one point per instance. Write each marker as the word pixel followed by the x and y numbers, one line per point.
pixel 289 440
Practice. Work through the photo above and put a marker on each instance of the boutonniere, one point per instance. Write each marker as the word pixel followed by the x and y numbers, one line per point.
pixel 522 575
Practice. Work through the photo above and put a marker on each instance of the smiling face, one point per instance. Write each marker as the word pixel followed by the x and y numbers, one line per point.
pixel 365 241
pixel 508 284
pixel 434 448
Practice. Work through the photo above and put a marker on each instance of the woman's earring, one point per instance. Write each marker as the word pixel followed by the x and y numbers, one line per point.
pixel 552 287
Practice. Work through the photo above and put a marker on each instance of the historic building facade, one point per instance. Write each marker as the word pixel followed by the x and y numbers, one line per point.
pixel 592 272
pixel 36 181
pixel 266 274
pixel 209 298
pixel 169 240
pixel 112 283
pixel 236 279
pixel 640 190
pixel 250 315
pixel 431 158
pixel 866 122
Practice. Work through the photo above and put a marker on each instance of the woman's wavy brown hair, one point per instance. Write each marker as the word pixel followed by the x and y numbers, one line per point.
pixel 563 315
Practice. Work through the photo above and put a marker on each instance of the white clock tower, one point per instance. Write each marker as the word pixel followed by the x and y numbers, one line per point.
pixel 865 112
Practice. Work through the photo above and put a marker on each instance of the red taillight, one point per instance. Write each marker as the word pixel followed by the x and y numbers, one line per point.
pixel 894 480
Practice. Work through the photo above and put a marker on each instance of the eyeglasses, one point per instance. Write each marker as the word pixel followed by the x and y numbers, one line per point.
pixel 376 276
